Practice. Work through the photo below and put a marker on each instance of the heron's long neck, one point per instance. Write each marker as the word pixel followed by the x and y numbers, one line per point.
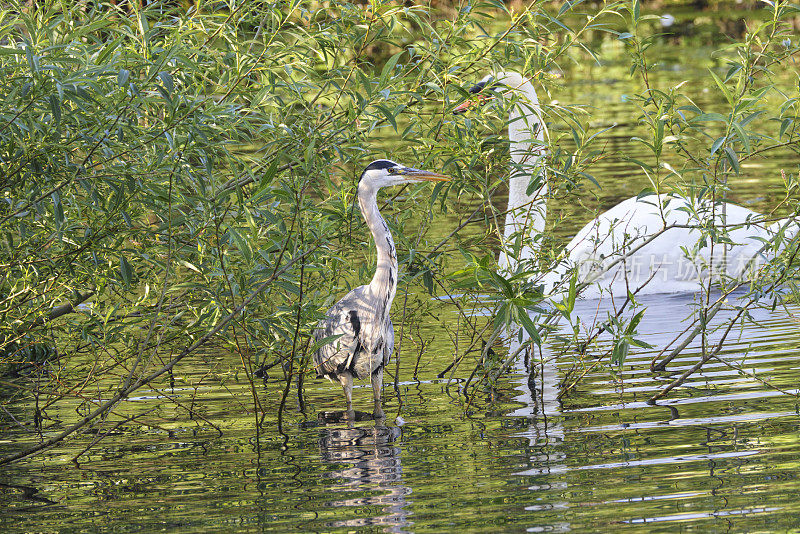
pixel 526 211
pixel 384 281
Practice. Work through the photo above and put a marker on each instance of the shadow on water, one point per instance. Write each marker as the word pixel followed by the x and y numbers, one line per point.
pixel 26 494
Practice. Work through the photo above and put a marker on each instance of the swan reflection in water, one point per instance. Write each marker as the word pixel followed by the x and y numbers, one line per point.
pixel 371 476
pixel 555 432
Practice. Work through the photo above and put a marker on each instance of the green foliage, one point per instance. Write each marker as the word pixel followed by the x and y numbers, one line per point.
pixel 689 150
pixel 170 173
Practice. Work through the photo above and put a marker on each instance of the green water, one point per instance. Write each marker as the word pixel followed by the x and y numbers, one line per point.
pixel 721 455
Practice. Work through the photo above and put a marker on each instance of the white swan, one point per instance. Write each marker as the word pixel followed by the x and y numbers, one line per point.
pixel 649 244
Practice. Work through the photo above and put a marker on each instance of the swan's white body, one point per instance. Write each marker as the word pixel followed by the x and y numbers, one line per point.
pixel 650 245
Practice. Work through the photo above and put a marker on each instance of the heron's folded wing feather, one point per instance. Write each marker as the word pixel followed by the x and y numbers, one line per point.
pixel 388 347
pixel 329 356
pixel 345 321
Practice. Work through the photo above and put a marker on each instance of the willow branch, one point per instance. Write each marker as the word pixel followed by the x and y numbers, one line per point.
pixel 125 391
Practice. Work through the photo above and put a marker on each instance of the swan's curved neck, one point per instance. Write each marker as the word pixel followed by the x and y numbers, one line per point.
pixel 527 189
pixel 789 226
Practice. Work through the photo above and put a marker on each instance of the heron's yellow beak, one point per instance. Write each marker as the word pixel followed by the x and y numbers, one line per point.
pixel 419 174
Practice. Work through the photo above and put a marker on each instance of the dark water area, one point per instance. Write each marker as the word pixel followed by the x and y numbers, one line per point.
pixel 722 454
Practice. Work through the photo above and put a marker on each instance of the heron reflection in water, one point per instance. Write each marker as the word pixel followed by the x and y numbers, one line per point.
pixel 371 475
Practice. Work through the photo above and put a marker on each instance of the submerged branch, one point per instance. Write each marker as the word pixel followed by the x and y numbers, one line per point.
pixel 58 311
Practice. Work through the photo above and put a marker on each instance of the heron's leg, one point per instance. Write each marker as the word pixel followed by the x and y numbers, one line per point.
pixel 377 384
pixel 346 380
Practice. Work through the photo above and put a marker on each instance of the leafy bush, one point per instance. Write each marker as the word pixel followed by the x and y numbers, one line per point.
pixel 176 177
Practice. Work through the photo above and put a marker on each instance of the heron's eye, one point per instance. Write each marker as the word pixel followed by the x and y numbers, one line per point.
pixel 392 170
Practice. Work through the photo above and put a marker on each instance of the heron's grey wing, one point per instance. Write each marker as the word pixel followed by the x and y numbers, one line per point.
pixel 341 320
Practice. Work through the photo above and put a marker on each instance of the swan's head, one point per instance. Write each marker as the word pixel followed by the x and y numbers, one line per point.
pixel 499 84
pixel 385 173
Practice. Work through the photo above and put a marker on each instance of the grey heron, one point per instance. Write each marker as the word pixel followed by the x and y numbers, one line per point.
pixel 361 318
pixel 651 234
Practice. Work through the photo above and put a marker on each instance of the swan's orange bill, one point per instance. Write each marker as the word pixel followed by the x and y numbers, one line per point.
pixel 466 104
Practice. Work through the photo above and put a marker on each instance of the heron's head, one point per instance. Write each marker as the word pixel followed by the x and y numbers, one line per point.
pixel 495 85
pixel 384 173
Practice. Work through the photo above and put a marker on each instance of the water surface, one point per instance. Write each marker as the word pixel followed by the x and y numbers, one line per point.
pixel 722 455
